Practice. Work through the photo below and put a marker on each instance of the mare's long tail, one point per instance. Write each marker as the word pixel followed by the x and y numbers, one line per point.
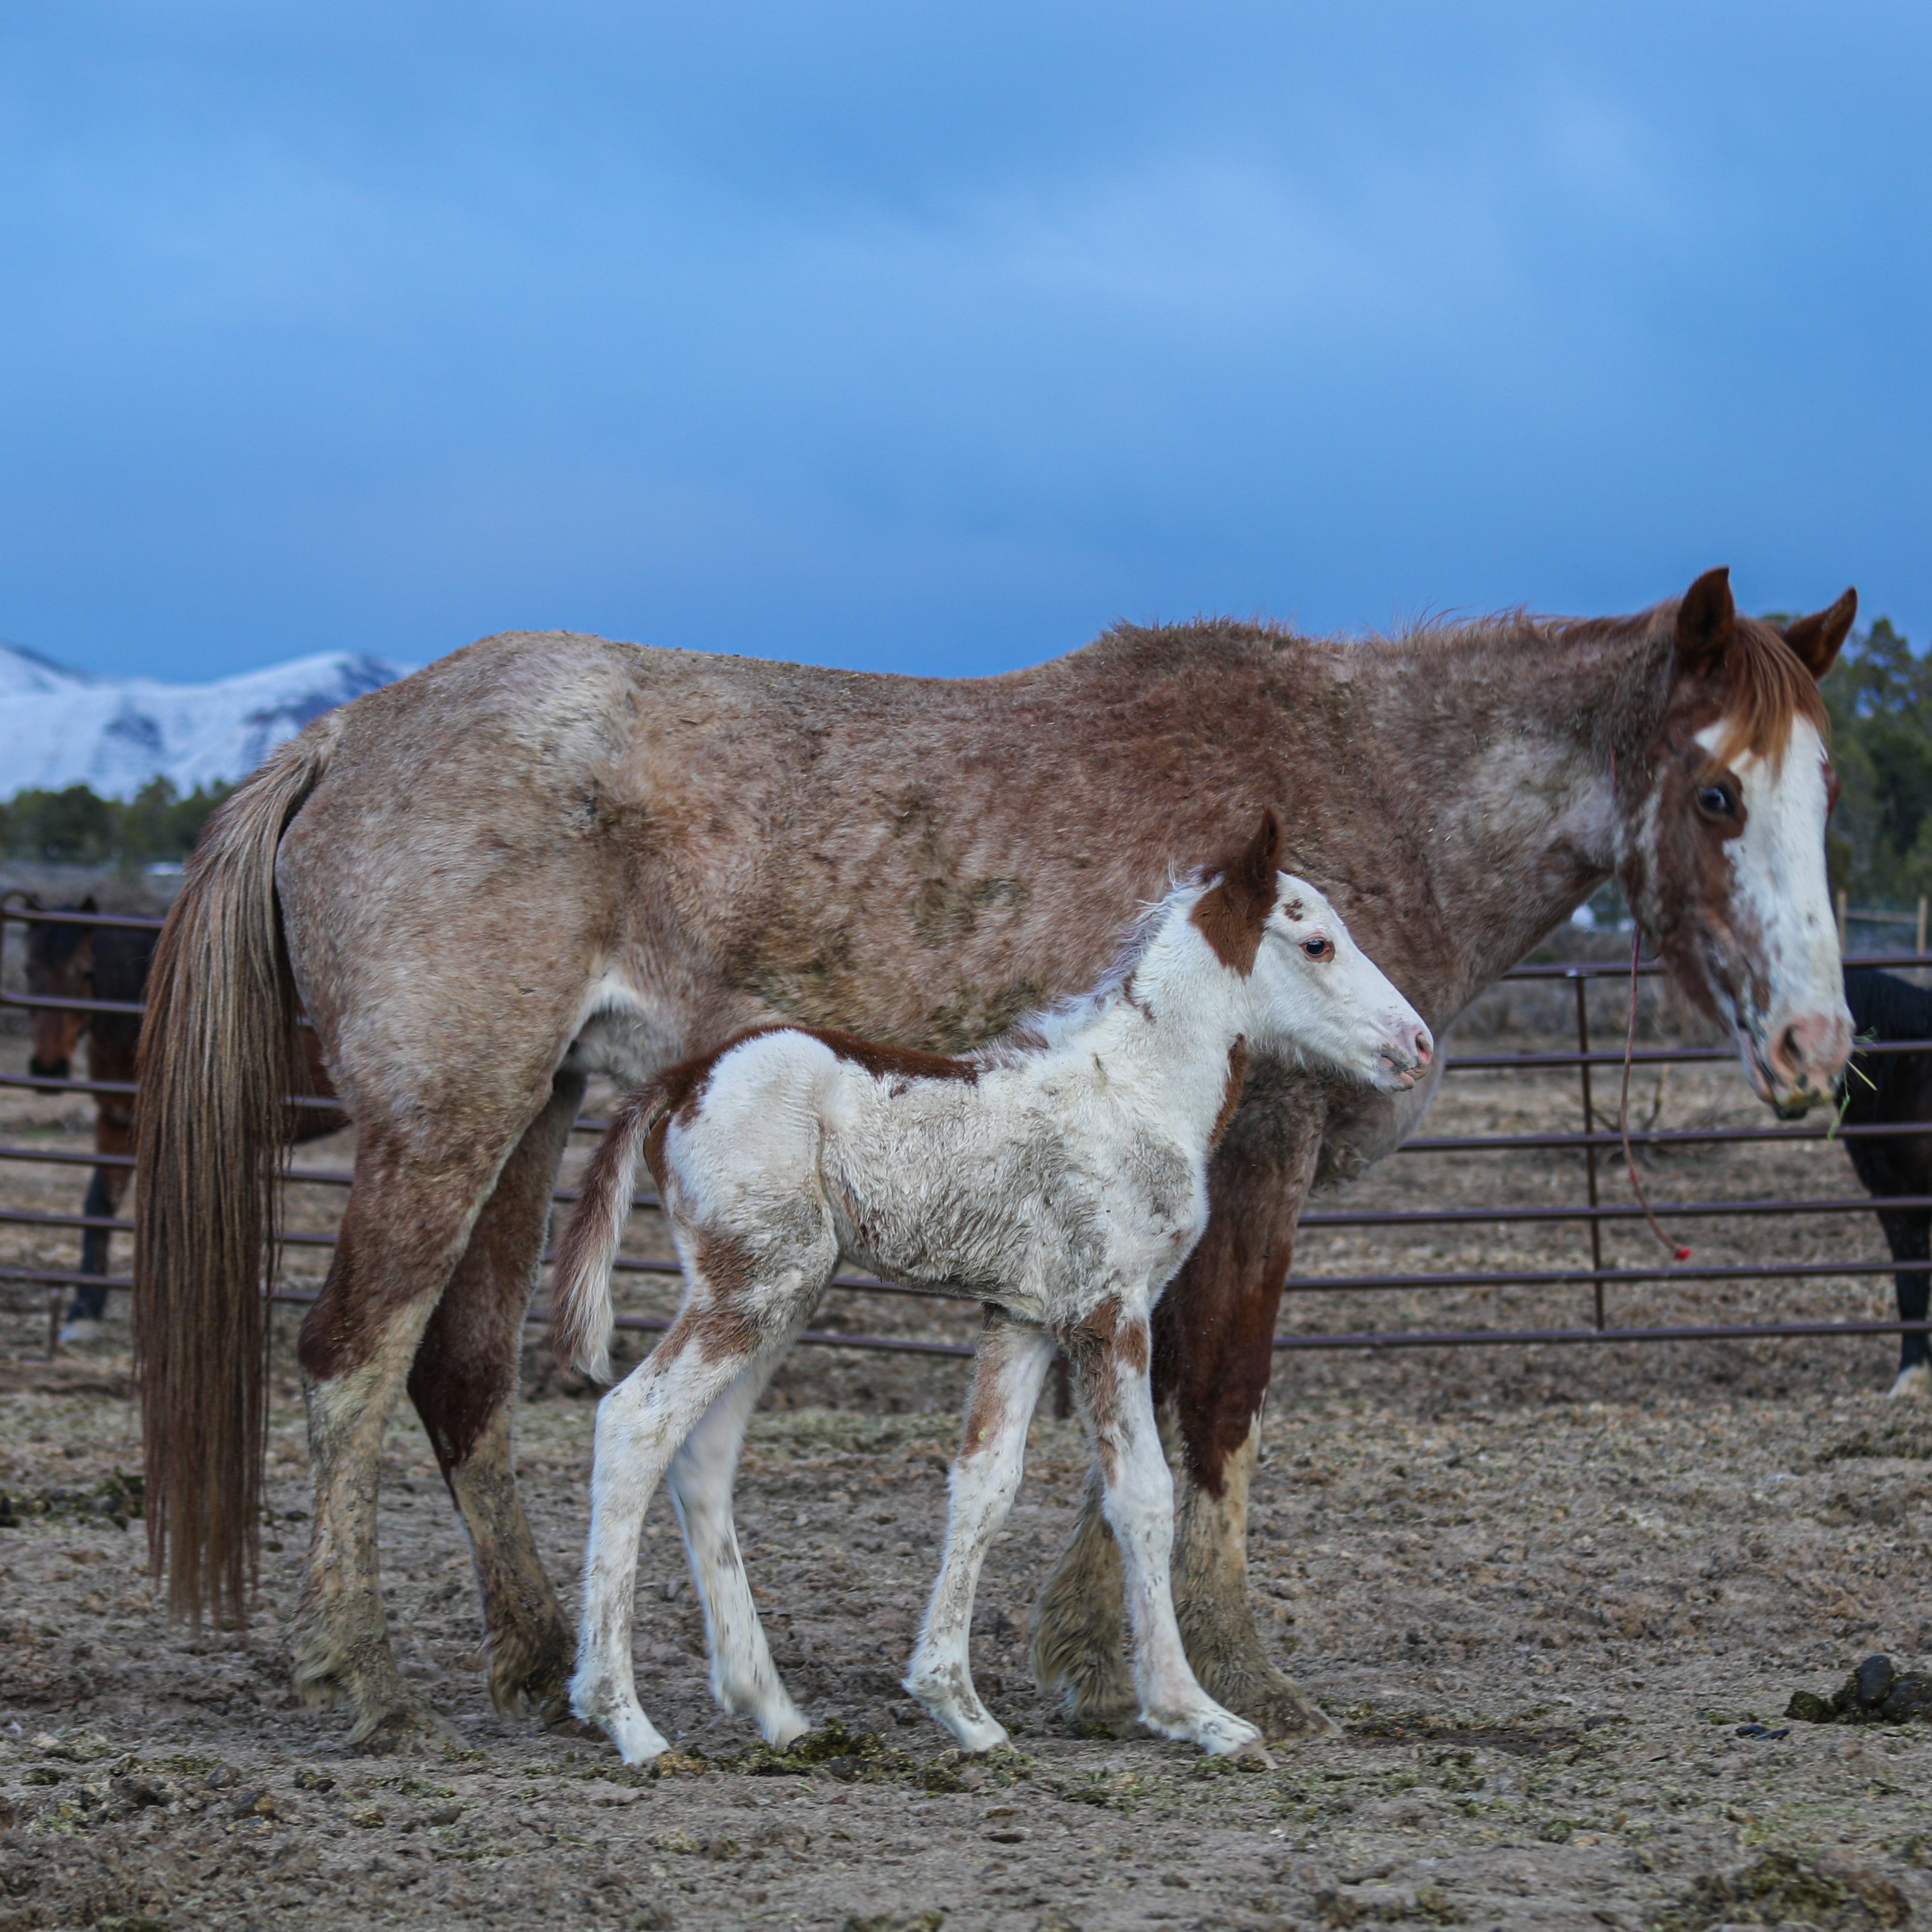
pixel 218 1051
pixel 580 1319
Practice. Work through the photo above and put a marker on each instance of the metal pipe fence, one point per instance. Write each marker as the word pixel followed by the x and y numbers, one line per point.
pixel 1589 1216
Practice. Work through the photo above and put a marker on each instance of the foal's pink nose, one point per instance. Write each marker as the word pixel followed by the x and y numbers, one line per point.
pixel 1409 1050
pixel 1812 1049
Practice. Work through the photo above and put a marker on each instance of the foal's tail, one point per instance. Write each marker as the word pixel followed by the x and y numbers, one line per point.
pixel 580 1320
pixel 219 1050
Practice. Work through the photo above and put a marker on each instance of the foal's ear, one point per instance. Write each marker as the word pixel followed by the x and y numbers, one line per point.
pixel 1232 913
pixel 1705 621
pixel 1255 870
pixel 1816 638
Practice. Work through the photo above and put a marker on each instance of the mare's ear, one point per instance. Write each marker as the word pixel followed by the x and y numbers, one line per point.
pixel 1816 638
pixel 87 904
pixel 1705 621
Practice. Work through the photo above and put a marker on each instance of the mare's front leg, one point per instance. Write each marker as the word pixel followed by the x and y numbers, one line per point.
pixel 1214 1353
pixel 1012 1362
pixel 1909 1234
pixel 463 1383
pixel 743 1677
pixel 1110 1363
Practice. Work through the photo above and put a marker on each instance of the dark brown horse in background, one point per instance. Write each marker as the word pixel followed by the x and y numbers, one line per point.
pixel 70 959
pixel 78 959
pixel 548 855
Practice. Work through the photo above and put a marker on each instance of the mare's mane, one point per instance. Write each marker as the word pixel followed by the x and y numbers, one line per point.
pixel 1769 691
pixel 1766 687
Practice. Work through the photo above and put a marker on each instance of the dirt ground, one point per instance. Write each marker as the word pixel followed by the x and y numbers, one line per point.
pixel 1540 1590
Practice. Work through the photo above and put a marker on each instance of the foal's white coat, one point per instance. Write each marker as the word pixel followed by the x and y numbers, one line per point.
pixel 1059 1177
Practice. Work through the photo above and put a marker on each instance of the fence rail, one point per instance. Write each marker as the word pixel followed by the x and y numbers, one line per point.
pixel 1591 1215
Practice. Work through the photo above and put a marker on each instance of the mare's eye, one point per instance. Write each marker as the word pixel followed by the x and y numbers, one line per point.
pixel 1317 948
pixel 1716 801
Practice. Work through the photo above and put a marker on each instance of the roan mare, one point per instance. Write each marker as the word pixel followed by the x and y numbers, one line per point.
pixel 548 854
pixel 1881 1088
pixel 1057 1175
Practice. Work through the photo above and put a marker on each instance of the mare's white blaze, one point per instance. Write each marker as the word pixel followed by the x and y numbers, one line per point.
pixel 1793 1048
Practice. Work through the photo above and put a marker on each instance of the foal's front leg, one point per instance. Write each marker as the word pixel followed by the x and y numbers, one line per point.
pixel 1011 1364
pixel 1110 1363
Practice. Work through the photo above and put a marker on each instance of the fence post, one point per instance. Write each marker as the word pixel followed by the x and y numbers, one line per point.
pixel 1919 946
pixel 1842 898
pixel 1589 1147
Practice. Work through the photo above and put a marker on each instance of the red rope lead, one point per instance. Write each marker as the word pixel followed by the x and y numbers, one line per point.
pixel 1669 1246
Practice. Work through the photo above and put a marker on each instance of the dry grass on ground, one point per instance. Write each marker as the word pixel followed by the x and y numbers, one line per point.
pixel 1540 1590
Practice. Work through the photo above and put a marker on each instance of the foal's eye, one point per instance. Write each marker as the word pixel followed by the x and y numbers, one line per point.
pixel 1716 801
pixel 1317 948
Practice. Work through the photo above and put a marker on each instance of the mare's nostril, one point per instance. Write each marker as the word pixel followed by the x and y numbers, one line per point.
pixel 1422 1050
pixel 1793 1049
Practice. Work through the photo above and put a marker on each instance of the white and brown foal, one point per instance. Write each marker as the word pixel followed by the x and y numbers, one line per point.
pixel 1058 1176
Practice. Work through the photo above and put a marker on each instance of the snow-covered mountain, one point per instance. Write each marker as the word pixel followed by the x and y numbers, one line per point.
pixel 60 728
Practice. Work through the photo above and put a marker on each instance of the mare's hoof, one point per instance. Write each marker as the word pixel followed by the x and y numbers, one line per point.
pixel 403 1730
pixel 1914 1383
pixel 1275 1705
pixel 1252 1757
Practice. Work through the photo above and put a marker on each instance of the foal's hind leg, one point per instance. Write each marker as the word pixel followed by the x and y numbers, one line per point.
pixel 743 1677
pixel 1909 1234
pixel 405 1228
pixel 1013 1363
pixel 464 1384
pixel 640 1424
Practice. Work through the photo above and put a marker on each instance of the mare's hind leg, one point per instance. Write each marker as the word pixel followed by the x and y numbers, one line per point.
pixel 1909 1235
pixel 743 1677
pixel 1013 1359
pixel 402 1232
pixel 463 1383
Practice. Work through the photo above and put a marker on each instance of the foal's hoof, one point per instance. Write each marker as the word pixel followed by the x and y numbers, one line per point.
pixel 403 1730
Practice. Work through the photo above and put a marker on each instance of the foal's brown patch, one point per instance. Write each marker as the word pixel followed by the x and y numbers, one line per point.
pixel 1231 914
pixel 729 1268
pixel 1231 1094
pixel 885 1062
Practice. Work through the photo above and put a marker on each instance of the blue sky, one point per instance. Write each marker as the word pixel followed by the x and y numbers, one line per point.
pixel 936 338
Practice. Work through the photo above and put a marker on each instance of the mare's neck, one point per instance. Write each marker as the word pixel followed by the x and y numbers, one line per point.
pixel 1512 816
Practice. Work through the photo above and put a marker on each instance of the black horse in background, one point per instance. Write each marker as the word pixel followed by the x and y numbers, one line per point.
pixel 68 960
pixel 1881 1087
